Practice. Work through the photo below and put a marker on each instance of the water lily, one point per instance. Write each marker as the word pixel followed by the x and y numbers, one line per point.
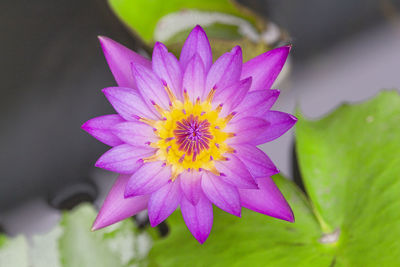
pixel 187 131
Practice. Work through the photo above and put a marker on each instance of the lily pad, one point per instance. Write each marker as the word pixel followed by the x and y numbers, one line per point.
pixel 350 162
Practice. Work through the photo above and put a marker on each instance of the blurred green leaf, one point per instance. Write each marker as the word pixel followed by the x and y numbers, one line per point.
pixel 253 240
pixel 350 163
pixel 13 251
pixel 71 244
pixel 114 246
pixel 142 16
pixel 81 247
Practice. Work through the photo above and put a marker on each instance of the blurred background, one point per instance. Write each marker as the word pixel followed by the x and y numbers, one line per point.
pixel 52 72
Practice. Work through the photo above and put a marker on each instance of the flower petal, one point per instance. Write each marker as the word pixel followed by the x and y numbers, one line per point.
pixel 234 172
pixel 163 202
pixel 198 218
pixel 167 67
pixel 100 128
pixel 267 200
pixel 247 130
pixel 226 70
pixel 280 123
pixel 135 133
pixel 230 97
pixel 223 195
pixel 265 68
pixel 150 87
pixel 197 42
pixel 191 186
pixel 124 158
pixel 119 59
pixel 194 78
pixel 116 208
pixel 256 161
pixel 128 103
pixel 257 103
pixel 148 178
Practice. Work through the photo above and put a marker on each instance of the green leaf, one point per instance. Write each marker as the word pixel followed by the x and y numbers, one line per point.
pixel 115 246
pixel 350 163
pixel 253 240
pixel 13 251
pixel 71 244
pixel 142 16
pixel 44 251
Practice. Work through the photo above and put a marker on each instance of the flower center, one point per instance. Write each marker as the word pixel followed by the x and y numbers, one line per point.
pixel 191 135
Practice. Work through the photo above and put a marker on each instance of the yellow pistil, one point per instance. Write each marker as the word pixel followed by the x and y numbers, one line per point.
pixel 178 150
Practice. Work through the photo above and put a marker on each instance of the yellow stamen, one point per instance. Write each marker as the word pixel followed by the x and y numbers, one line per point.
pixel 219 108
pixel 151 158
pixel 230 135
pixel 174 175
pixel 159 109
pixel 229 117
pixel 214 171
pixel 211 95
pixel 154 145
pixel 186 95
pixel 171 95
pixel 148 121
pixel 230 149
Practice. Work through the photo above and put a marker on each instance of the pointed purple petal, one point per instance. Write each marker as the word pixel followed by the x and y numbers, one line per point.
pixel 234 172
pixel 116 208
pixel 167 67
pixel 230 97
pixel 128 103
pixel 100 128
pixel 148 178
pixel 197 42
pixel 267 200
pixel 223 195
pixel 256 161
pixel 226 70
pixel 247 130
pixel 150 87
pixel 119 59
pixel 257 103
pixel 194 78
pixel 124 158
pixel 280 123
pixel 135 133
pixel 191 186
pixel 265 68
pixel 198 218
pixel 163 202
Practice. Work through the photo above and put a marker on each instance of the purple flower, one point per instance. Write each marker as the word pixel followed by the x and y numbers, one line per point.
pixel 187 131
